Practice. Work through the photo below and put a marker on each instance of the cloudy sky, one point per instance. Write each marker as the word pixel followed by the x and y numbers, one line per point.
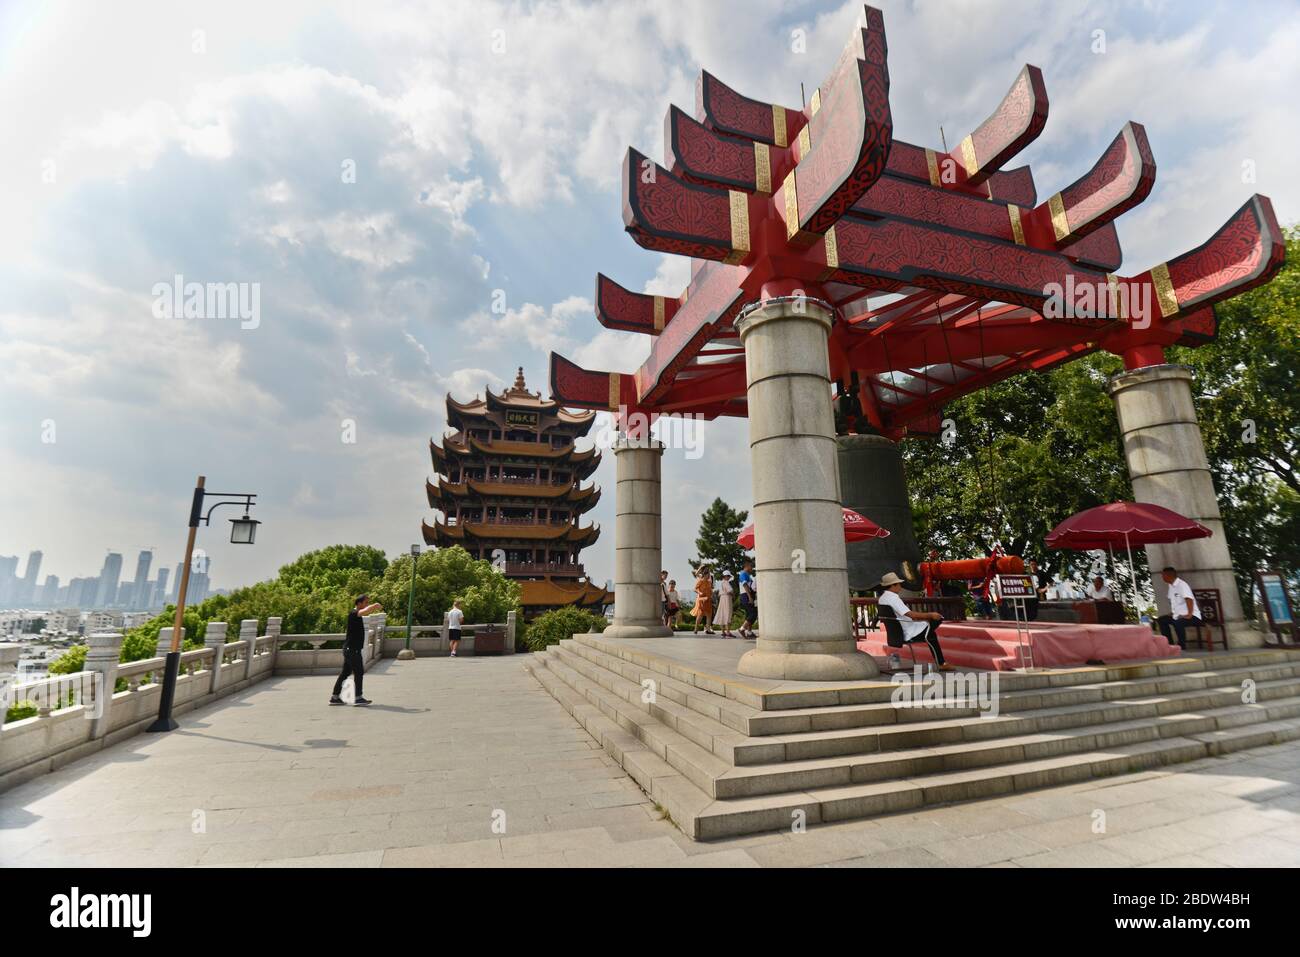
pixel 383 170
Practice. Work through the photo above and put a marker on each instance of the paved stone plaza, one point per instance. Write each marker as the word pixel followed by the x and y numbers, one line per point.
pixel 278 778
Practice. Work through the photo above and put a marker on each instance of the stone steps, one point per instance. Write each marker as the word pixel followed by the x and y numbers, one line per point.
pixel 683 746
pixel 830 730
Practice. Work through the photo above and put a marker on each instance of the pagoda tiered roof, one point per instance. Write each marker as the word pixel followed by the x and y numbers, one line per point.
pixel 443 533
pixel 584 462
pixel 517 397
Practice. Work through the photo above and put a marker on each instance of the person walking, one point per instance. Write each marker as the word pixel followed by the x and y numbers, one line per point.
pixel 664 585
pixel 723 617
pixel 703 600
pixel 748 600
pixel 455 618
pixel 353 643
pixel 673 613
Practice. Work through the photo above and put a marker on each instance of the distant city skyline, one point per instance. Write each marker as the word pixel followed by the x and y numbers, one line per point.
pixel 105 590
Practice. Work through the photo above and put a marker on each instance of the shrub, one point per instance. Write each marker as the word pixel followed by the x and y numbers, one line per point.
pixel 553 626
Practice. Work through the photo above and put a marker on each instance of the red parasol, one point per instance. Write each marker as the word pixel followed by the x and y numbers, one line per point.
pixel 1127 524
pixel 1124 523
pixel 857 528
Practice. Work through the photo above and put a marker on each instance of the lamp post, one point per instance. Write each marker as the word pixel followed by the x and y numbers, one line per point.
pixel 406 654
pixel 242 532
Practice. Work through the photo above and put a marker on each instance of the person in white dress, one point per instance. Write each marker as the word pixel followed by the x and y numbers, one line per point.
pixel 723 617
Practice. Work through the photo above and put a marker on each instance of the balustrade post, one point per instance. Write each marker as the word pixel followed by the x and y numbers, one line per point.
pixel 215 638
pixel 8 677
pixel 273 626
pixel 103 654
pixel 164 649
pixel 512 628
pixel 377 639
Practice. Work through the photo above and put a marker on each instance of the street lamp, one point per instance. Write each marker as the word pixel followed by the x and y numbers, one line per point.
pixel 242 532
pixel 406 654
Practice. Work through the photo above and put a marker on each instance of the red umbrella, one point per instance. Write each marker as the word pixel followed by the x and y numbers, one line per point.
pixel 1126 523
pixel 857 528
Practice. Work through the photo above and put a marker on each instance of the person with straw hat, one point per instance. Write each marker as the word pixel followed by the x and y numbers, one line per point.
pixel 916 625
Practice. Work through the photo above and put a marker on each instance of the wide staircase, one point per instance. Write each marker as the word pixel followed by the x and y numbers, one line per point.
pixel 723 757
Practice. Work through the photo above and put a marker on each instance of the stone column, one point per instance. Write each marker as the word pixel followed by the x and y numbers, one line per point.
pixel 104 650
pixel 215 638
pixel 1166 461
pixel 512 629
pixel 803 588
pixel 638 601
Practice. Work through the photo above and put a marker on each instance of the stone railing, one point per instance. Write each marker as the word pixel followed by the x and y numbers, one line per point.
pixel 77 714
pixel 431 640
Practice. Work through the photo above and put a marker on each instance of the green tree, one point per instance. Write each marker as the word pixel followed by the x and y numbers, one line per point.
pixel 333 567
pixel 720 526
pixel 441 577
pixel 1248 404
pixel 1026 453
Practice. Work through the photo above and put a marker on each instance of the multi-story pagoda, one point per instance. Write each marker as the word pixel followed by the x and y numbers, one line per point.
pixel 510 489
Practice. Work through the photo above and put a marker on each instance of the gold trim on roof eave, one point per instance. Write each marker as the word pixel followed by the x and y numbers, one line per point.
pixel 762 168
pixel 1017 228
pixel 778 126
pixel 790 194
pixel 1165 295
pixel 1060 222
pixel 805 142
pixel 932 165
pixel 968 156
pixel 739 226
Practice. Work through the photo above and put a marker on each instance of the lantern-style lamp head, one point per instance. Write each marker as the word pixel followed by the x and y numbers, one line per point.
pixel 243 530
pixel 415 551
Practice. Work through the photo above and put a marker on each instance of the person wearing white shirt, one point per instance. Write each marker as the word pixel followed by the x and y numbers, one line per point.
pixel 455 618
pixel 1183 608
pixel 916 625
pixel 1099 590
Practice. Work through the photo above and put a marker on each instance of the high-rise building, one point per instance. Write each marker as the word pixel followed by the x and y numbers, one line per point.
pixel 81 592
pixel 109 577
pixel 8 577
pixel 138 596
pixel 50 591
pixel 159 590
pixel 27 590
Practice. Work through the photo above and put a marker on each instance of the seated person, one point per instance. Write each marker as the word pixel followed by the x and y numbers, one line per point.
pixel 1099 590
pixel 1182 605
pixel 915 624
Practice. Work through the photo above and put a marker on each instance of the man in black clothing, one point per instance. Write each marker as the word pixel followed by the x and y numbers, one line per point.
pixel 352 646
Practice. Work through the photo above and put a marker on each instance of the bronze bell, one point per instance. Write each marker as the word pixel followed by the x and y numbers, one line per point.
pixel 872 483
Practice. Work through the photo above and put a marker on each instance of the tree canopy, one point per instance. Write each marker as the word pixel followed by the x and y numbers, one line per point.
pixel 720 526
